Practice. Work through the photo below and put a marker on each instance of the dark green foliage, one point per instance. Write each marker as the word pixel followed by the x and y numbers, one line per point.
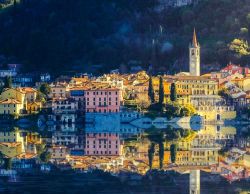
pixel 172 110
pixel 45 156
pixel 8 163
pixel 151 93
pixel 161 91
pixel 7 82
pixel 40 148
pixel 173 95
pixel 45 89
pixel 60 35
pixel 173 152
pixel 161 154
pixel 151 152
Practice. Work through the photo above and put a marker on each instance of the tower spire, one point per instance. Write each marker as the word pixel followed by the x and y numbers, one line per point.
pixel 195 43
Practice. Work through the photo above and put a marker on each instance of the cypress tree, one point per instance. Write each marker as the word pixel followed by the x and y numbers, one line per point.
pixel 151 152
pixel 8 82
pixel 173 152
pixel 161 154
pixel 161 91
pixel 173 96
pixel 151 93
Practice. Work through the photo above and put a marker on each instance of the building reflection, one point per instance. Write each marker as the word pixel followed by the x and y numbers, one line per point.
pixel 111 143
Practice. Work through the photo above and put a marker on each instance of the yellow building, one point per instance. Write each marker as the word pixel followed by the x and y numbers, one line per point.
pixel 186 86
pixel 12 136
pixel 202 94
pixel 182 157
pixel 30 93
pixel 11 106
pixel 12 93
pixel 12 101
pixel 11 149
pixel 34 107
pixel 242 83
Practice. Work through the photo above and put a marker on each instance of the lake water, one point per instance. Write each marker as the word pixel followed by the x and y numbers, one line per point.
pixel 137 158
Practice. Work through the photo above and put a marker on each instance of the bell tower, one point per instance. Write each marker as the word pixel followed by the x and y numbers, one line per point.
pixel 194 57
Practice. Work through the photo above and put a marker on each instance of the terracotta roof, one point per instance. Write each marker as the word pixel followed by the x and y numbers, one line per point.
pixel 27 90
pixel 10 144
pixel 10 101
pixel 6 89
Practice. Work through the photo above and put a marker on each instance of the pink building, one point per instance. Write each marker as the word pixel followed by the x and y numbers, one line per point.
pixel 102 100
pixel 97 100
pixel 232 69
pixel 103 144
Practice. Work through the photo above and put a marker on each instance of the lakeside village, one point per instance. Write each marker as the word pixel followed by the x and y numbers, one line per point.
pixel 132 122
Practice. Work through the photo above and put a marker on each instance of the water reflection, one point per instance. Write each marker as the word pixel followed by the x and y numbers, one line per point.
pixel 133 144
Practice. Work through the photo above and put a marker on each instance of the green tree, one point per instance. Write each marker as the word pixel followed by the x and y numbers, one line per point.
pixel 173 152
pixel 1 158
pixel 7 163
pixel 187 110
pixel 173 96
pixel 172 110
pixel 8 82
pixel 161 91
pixel 161 154
pixel 151 93
pixel 224 93
pixel 45 156
pixel 239 47
pixel 40 97
pixel 151 152
pixel 40 148
pixel 45 89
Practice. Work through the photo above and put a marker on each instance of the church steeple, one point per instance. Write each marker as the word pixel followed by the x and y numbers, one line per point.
pixel 195 42
pixel 194 57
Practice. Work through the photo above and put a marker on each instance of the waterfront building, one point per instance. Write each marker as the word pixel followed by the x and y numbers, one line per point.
pixel 59 90
pixel 11 106
pixel 64 138
pixel 13 101
pixel 13 137
pixel 101 100
pixel 103 144
pixel 11 149
pixel 58 153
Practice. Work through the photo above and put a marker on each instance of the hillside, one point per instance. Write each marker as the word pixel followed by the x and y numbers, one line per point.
pixel 52 35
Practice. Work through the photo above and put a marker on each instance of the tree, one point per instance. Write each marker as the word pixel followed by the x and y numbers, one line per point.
pixel 173 152
pixel 7 163
pixel 224 93
pixel 151 152
pixel 1 158
pixel 151 93
pixel 8 82
pixel 172 110
pixel 239 47
pixel 40 148
pixel 142 103
pixel 187 110
pixel 45 156
pixel 40 97
pixel 173 96
pixel 161 91
pixel 161 154
pixel 45 89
